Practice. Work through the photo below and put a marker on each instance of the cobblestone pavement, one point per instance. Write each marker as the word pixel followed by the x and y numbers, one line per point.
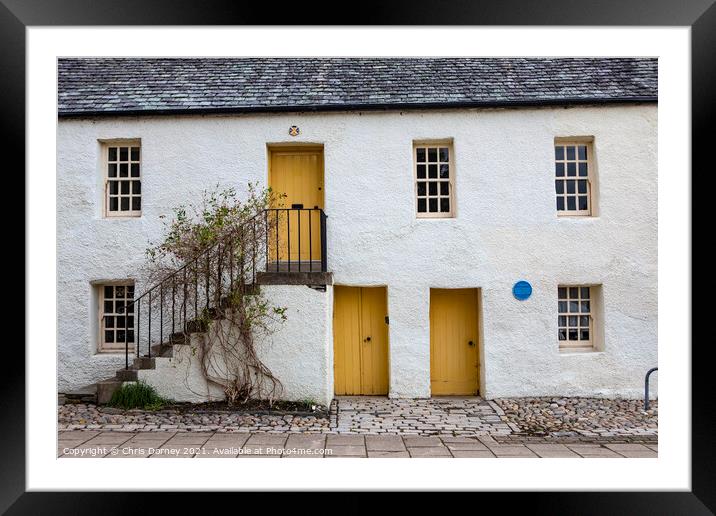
pixel 445 416
pixel 94 444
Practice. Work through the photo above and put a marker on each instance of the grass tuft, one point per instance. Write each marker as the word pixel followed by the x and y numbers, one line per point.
pixel 137 395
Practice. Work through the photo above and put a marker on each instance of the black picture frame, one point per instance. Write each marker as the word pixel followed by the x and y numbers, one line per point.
pixel 699 15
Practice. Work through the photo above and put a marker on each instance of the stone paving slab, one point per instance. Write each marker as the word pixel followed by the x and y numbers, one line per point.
pixel 299 445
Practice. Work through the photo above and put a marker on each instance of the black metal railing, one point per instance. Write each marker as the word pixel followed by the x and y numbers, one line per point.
pixel 296 241
pixel 186 297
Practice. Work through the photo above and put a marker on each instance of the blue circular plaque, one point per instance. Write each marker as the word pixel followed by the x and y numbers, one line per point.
pixel 522 290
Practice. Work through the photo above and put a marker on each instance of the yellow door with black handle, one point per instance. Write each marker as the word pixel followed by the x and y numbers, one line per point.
pixel 360 340
pixel 296 174
pixel 453 342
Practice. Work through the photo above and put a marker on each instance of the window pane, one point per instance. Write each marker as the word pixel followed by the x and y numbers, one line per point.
pixel 432 171
pixel 136 187
pixel 130 336
pixel 444 171
pixel 573 292
pixel 562 335
pixel 422 204
pixel 570 152
pixel 130 291
pixel 585 307
pixel 444 154
pixel 432 188
pixel 574 307
pixel 420 154
pixel 584 320
pixel 120 322
pixel 570 186
pixel 584 334
pixel 559 153
pixel 136 203
pixel 124 203
pixel 112 156
pixel 582 202
pixel 560 203
pixel 112 170
pixel 130 307
pixel 444 188
pixel 114 187
pixel 119 306
pixel 582 186
pixel 135 169
pixel 562 320
pixel 421 171
pixel 432 154
pixel 559 186
pixel 130 322
pixel 585 292
pixel 120 336
pixel 582 152
pixel 571 169
pixel 123 170
pixel 113 204
pixel 123 153
pixel 125 187
pixel 583 169
pixel 573 320
pixel 108 291
pixel 572 334
pixel 562 307
pixel 108 307
pixel 421 188
pixel 433 205
pixel 562 293
pixel 445 205
pixel 559 169
pixel 571 203
pixel 109 336
pixel 120 291
pixel 135 153
pixel 109 322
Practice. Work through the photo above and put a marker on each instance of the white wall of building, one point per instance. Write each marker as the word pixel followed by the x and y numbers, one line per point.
pixel 506 229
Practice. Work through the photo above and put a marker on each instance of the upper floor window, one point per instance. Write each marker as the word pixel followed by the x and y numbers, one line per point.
pixel 434 173
pixel 123 180
pixel 573 176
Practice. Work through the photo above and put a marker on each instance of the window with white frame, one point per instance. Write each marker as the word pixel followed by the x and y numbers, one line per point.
pixel 123 180
pixel 575 321
pixel 115 311
pixel 573 177
pixel 434 173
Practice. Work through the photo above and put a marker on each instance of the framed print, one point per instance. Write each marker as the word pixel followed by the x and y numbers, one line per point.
pixel 450 257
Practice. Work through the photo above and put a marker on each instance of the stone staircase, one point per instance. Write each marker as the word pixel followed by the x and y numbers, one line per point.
pixel 103 390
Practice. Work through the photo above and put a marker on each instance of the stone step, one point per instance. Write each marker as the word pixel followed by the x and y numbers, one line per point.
pixel 143 363
pixel 127 375
pixel 86 394
pixel 106 388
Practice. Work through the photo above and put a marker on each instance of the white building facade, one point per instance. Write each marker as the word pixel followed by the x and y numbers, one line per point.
pixel 435 204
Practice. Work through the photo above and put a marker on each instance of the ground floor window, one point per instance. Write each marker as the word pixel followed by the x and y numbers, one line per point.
pixel 574 320
pixel 115 314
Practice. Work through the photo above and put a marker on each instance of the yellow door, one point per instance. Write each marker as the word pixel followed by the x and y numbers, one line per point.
pixel 453 342
pixel 297 174
pixel 360 340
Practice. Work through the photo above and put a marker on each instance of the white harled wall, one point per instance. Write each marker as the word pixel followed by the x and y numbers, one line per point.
pixel 506 229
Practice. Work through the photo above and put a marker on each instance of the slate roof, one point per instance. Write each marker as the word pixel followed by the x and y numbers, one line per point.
pixel 130 86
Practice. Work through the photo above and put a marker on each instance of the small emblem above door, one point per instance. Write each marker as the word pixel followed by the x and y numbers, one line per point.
pixel 294 130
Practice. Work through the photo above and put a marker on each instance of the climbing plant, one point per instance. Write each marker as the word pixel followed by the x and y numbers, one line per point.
pixel 206 265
